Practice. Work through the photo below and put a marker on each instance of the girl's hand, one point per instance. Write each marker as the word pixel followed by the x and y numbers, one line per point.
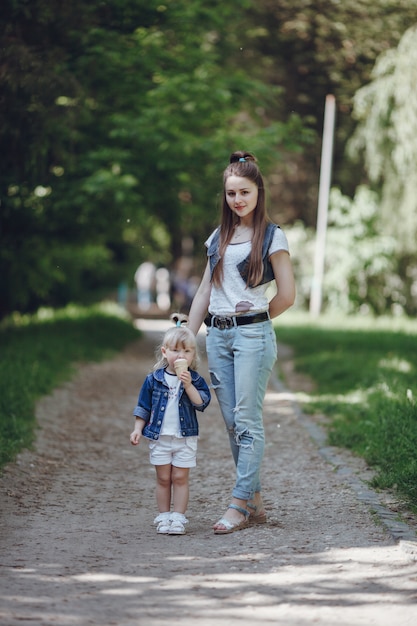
pixel 190 390
pixel 185 378
pixel 135 437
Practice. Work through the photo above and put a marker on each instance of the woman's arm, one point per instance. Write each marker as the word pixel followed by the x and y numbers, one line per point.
pixel 284 278
pixel 200 303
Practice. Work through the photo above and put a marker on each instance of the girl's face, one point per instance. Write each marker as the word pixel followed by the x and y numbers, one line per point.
pixel 172 353
pixel 241 195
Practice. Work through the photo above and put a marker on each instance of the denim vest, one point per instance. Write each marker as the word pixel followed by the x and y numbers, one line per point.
pixel 243 267
pixel 152 402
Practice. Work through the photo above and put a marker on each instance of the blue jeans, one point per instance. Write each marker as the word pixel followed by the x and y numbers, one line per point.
pixel 240 362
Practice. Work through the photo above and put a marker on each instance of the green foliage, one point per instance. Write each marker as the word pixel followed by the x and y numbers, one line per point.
pixel 387 111
pixel 313 48
pixel 117 118
pixel 364 375
pixel 361 273
pixel 139 103
pixel 385 435
pixel 37 353
pixel 360 259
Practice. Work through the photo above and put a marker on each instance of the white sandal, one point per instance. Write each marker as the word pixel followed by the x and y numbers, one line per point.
pixel 163 521
pixel 178 521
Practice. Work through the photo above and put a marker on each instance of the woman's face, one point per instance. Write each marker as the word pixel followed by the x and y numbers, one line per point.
pixel 241 195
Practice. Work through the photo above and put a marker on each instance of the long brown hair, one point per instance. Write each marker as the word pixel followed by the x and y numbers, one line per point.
pixel 243 164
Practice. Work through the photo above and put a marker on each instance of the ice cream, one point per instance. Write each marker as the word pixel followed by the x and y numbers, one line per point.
pixel 180 365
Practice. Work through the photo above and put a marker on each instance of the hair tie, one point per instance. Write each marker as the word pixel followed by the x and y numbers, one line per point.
pixel 242 160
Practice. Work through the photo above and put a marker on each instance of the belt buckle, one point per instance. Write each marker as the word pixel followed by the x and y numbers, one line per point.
pixel 223 322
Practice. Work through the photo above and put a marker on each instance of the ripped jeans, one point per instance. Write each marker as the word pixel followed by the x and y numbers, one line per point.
pixel 240 362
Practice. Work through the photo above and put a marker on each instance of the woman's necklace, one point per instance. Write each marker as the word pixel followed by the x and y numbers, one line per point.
pixel 242 233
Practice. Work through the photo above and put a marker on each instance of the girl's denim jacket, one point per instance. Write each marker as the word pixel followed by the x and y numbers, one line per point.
pixel 214 256
pixel 153 398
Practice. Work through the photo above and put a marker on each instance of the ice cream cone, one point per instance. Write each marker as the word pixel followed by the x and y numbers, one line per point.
pixel 180 365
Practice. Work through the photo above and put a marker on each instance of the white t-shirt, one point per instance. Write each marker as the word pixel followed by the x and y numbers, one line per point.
pixel 224 299
pixel 171 423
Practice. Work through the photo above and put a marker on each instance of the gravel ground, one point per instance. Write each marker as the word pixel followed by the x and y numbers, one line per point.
pixel 78 546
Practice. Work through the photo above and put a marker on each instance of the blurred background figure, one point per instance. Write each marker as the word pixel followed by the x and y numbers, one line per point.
pixel 163 298
pixel 183 284
pixel 122 294
pixel 145 283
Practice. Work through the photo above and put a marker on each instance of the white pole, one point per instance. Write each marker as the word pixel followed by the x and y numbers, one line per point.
pixel 323 204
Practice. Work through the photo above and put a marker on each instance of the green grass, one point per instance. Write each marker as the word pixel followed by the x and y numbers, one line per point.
pixel 39 352
pixel 365 374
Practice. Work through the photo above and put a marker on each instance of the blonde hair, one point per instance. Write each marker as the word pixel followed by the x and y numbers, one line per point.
pixel 178 336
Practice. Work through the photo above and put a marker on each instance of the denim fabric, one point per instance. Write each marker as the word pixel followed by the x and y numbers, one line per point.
pixel 153 398
pixel 268 276
pixel 240 361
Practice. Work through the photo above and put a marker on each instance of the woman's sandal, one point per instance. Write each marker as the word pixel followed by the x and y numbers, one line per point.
pixel 257 514
pixel 231 527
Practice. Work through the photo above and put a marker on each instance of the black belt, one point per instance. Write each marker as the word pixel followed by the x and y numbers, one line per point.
pixel 224 321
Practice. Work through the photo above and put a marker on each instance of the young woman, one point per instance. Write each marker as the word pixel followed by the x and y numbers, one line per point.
pixel 166 415
pixel 245 253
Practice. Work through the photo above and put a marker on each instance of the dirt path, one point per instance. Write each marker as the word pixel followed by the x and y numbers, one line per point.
pixel 78 547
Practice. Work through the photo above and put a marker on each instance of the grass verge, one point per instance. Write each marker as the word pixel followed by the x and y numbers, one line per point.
pixel 38 352
pixel 365 379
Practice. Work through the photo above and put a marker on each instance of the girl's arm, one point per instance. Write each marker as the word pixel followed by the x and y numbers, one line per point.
pixel 200 302
pixel 142 410
pixel 284 278
pixel 137 433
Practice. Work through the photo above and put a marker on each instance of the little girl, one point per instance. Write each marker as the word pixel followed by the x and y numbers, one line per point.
pixel 166 415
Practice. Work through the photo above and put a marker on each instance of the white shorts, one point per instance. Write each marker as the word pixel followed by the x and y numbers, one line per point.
pixel 177 451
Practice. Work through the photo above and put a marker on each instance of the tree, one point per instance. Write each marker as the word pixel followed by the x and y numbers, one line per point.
pixel 114 113
pixel 117 118
pixel 311 48
pixel 386 110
